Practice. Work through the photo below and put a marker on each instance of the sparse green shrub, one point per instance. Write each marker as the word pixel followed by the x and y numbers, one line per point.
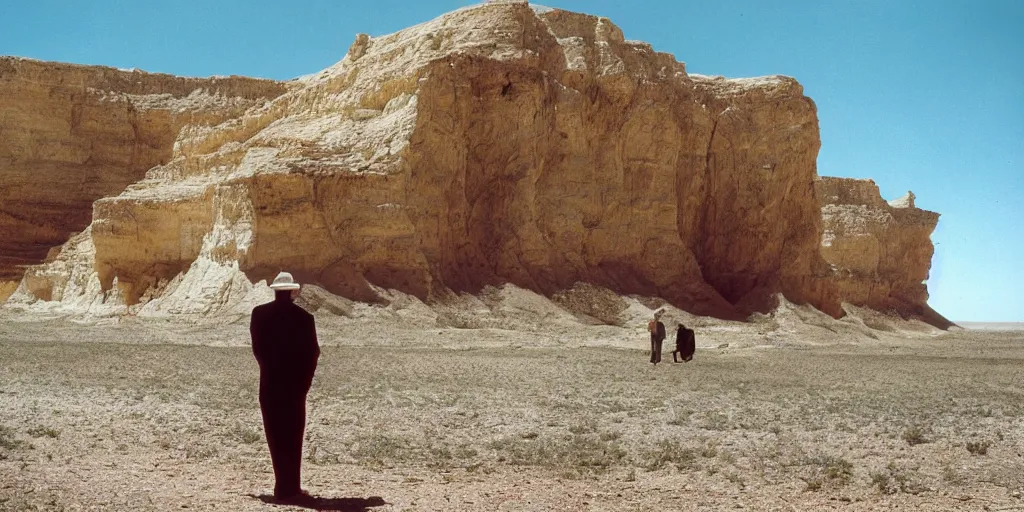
pixel 7 440
pixel 579 452
pixel 914 436
pixel 895 479
pixel 200 452
pixel 670 452
pixel 43 432
pixel 829 469
pixel 716 421
pixel 813 484
pixel 736 479
pixel 380 450
pixel 838 469
pixel 680 417
pixel 950 475
pixel 882 481
pixel 585 426
pixel 978 447
pixel 245 434
pixel 727 457
pixel 709 451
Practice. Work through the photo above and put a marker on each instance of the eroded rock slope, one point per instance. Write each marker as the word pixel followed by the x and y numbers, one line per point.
pixel 502 143
pixel 70 135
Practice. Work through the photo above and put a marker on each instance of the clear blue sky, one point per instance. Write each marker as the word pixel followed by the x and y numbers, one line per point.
pixel 918 95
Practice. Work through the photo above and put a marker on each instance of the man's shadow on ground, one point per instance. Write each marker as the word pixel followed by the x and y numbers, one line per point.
pixel 333 504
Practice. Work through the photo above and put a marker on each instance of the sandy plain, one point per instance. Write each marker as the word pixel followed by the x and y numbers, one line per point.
pixel 785 413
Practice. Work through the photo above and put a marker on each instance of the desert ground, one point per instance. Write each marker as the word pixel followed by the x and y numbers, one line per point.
pixel 789 412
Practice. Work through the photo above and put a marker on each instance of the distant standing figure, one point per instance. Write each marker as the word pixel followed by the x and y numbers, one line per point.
pixel 686 344
pixel 657 330
pixel 285 345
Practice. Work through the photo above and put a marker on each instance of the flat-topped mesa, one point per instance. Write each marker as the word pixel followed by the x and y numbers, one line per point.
pixel 501 143
pixel 881 252
pixel 73 134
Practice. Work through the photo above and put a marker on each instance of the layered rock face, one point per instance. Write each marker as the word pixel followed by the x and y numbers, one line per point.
pixel 880 252
pixel 70 135
pixel 500 143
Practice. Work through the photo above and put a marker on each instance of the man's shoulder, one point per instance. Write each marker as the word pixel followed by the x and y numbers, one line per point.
pixel 262 308
pixel 290 309
pixel 301 312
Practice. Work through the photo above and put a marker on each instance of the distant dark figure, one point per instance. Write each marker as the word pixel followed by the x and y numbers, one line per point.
pixel 686 344
pixel 285 345
pixel 657 330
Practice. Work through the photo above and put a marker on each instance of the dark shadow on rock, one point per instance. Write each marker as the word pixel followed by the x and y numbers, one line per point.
pixel 321 503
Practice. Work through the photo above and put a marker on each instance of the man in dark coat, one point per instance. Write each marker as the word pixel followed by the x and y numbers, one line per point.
pixel 686 344
pixel 285 345
pixel 657 330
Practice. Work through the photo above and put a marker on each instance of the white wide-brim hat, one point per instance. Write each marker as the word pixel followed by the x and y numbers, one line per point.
pixel 284 281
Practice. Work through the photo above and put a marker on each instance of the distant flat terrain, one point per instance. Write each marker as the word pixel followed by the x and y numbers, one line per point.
pixel 992 326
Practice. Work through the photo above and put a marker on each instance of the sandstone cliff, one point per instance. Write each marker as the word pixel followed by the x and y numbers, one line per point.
pixel 880 252
pixel 70 135
pixel 499 143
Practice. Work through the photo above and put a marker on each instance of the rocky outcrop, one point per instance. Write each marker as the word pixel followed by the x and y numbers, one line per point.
pixel 880 252
pixel 70 135
pixel 495 144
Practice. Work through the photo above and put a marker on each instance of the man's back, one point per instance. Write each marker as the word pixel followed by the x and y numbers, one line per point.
pixel 689 343
pixel 285 345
